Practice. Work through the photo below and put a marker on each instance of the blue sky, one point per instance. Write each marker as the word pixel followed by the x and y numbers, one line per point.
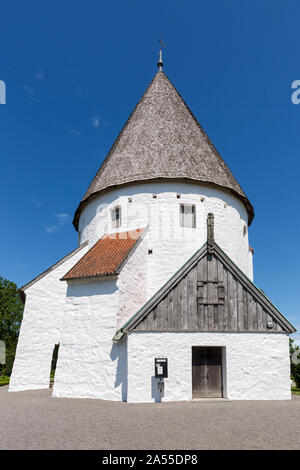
pixel 74 71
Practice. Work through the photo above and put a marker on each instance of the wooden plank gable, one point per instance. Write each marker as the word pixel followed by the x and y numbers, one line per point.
pixel 209 293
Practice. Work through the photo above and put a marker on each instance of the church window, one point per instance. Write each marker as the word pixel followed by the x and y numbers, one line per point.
pixel 116 217
pixel 188 215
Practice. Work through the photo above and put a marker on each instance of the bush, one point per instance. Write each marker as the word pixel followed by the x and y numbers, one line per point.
pixel 295 368
pixel 11 310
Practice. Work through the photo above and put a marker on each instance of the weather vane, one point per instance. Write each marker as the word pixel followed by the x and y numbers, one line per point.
pixel 160 63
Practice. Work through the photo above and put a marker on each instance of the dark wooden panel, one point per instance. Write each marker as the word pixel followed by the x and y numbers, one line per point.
pixel 179 307
pixel 207 372
pixel 160 318
pixel 184 303
pixel 245 305
pixel 165 313
pixel 212 268
pixel 229 300
pixel 259 314
pixel 221 307
pixel 234 313
pixel 252 322
pixel 200 308
pixel 225 316
pixel 170 303
pixel 209 297
pixel 240 308
pixel 174 324
pixel 192 299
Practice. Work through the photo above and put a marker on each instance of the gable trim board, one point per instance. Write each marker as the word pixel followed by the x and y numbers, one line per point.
pixel 134 323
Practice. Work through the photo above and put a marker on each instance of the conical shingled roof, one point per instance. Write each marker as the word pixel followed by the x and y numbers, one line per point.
pixel 162 140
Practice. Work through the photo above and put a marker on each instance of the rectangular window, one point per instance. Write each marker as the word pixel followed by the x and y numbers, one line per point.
pixel 188 215
pixel 116 217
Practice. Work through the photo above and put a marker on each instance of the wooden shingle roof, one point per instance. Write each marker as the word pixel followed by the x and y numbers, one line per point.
pixel 162 140
pixel 106 256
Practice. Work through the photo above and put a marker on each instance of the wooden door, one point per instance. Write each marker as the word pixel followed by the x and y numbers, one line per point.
pixel 207 372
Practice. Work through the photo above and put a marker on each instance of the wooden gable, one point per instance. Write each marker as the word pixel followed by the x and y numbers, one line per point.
pixel 209 293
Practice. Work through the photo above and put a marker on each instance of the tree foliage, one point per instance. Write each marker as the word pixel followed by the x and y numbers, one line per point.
pixel 295 368
pixel 11 311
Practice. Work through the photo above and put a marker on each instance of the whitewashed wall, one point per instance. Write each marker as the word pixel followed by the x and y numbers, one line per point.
pixel 89 365
pixel 132 282
pixel 41 327
pixel 251 276
pixel 171 244
pixel 83 316
pixel 257 365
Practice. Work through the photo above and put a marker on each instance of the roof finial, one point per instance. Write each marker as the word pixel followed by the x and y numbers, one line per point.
pixel 210 231
pixel 160 63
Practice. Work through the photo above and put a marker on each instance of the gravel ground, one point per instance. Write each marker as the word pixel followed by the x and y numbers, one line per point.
pixel 35 420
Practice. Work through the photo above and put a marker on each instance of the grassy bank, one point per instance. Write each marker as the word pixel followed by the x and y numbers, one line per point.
pixel 4 381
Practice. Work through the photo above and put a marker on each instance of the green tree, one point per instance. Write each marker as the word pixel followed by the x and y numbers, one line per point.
pixel 295 368
pixel 11 311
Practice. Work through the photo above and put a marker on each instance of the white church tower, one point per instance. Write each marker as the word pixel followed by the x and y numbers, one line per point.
pixel 163 271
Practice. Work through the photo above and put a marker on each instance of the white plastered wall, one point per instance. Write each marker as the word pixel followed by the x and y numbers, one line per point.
pixel 89 365
pixel 171 244
pixel 132 282
pixel 256 365
pixel 41 327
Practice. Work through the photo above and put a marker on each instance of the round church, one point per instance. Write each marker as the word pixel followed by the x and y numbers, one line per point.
pixel 157 302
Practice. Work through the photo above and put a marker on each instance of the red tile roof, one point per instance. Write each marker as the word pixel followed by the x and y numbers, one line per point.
pixel 106 256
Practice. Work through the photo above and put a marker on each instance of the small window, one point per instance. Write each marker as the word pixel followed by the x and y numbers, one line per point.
pixel 187 215
pixel 154 196
pixel 116 217
pixel 244 230
pixel 150 252
pixel 130 199
pixel 178 196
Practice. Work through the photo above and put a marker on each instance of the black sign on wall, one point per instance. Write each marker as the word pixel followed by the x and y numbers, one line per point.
pixel 161 367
